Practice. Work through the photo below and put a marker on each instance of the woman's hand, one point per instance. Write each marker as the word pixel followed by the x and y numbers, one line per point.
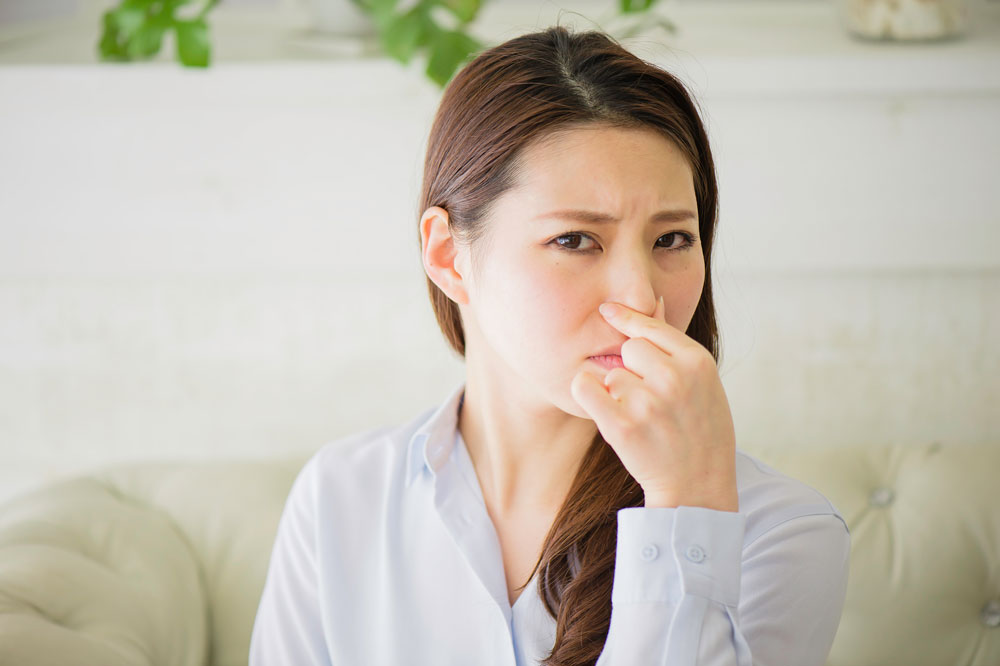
pixel 665 413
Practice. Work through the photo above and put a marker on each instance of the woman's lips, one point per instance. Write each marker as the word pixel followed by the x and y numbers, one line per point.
pixel 608 361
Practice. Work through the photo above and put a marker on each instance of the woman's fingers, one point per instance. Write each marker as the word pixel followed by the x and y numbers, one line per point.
pixel 595 399
pixel 665 413
pixel 615 416
pixel 650 363
pixel 638 325
pixel 620 382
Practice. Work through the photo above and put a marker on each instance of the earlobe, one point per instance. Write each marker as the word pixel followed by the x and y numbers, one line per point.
pixel 440 253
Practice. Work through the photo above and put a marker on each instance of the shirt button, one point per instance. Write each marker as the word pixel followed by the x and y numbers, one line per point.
pixel 695 554
pixel 649 552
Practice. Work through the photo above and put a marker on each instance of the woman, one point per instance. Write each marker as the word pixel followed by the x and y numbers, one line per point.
pixel 579 499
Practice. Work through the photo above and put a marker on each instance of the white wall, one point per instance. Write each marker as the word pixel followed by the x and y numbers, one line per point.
pixel 225 262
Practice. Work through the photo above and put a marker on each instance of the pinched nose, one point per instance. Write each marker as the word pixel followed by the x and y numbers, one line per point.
pixel 630 283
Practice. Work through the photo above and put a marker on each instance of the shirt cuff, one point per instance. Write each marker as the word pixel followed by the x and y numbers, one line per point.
pixel 666 552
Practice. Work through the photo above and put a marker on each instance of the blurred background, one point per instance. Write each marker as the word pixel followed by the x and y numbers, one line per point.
pixel 223 261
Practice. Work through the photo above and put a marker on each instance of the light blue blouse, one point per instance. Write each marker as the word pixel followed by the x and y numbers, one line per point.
pixel 385 554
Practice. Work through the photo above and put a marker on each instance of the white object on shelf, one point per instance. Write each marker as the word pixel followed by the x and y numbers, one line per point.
pixel 905 19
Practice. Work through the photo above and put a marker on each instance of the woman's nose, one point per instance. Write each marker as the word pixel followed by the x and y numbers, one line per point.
pixel 630 283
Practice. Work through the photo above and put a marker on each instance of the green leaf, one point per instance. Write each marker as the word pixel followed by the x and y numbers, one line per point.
pixel 193 47
pixel 403 34
pixel 128 21
pixel 449 49
pixel 120 27
pixel 108 46
pixel 465 10
pixel 135 30
pixel 379 7
pixel 634 6
pixel 147 40
pixel 144 5
pixel 641 23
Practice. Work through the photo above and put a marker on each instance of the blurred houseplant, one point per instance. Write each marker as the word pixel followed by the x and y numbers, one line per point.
pixel 134 30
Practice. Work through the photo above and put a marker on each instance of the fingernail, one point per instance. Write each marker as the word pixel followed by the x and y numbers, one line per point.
pixel 609 310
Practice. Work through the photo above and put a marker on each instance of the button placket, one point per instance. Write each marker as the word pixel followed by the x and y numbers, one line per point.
pixel 649 552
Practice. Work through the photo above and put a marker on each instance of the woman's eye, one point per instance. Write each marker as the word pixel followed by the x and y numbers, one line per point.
pixel 574 241
pixel 678 240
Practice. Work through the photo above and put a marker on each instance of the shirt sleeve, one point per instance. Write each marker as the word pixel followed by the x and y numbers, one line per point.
pixel 288 626
pixel 688 592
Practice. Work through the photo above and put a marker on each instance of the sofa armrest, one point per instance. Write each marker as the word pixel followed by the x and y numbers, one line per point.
pixel 91 577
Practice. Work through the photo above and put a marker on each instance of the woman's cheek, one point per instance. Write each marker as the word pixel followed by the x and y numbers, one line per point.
pixel 548 301
pixel 681 296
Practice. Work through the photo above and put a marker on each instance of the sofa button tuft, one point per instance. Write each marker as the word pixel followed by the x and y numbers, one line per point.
pixel 881 497
pixel 990 615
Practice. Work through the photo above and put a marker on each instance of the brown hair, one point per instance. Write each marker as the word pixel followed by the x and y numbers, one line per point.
pixel 508 96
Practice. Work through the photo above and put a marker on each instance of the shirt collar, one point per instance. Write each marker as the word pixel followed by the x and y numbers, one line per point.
pixel 432 443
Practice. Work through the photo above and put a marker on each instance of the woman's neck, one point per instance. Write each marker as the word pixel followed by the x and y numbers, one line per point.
pixel 525 450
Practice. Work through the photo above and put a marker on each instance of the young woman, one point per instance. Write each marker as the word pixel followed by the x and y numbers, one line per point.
pixel 579 499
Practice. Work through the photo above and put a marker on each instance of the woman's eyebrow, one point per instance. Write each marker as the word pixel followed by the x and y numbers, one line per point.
pixel 595 217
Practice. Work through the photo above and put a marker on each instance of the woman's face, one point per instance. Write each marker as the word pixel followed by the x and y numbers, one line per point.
pixel 532 313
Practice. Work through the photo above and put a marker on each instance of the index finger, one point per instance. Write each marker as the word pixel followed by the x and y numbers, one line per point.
pixel 635 324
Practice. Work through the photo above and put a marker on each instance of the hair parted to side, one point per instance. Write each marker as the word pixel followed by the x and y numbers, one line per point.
pixel 507 97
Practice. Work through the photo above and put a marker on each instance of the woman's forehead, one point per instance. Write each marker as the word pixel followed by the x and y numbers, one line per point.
pixel 610 169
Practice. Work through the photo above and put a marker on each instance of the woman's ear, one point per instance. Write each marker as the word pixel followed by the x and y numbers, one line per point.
pixel 443 258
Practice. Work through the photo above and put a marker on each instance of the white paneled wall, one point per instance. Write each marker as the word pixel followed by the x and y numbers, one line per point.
pixel 225 262
pixel 898 357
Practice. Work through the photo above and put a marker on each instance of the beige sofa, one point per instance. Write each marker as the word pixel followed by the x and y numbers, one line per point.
pixel 163 563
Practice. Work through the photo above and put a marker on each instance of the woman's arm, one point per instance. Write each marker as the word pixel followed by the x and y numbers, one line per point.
pixel 687 592
pixel 288 628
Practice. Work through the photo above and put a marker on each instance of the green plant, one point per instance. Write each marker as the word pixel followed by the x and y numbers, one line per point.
pixel 646 18
pixel 403 34
pixel 134 30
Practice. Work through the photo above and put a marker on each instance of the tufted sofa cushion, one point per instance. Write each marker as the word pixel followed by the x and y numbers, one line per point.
pixel 924 583
pixel 89 576
pixel 164 563
pixel 147 564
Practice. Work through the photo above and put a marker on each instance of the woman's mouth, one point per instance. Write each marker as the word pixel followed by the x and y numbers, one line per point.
pixel 608 361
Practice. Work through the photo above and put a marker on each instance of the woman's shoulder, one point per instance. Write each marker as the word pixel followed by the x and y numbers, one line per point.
pixel 387 445
pixel 372 448
pixel 354 470
pixel 769 497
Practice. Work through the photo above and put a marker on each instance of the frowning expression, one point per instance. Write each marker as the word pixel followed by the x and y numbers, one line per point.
pixel 598 214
